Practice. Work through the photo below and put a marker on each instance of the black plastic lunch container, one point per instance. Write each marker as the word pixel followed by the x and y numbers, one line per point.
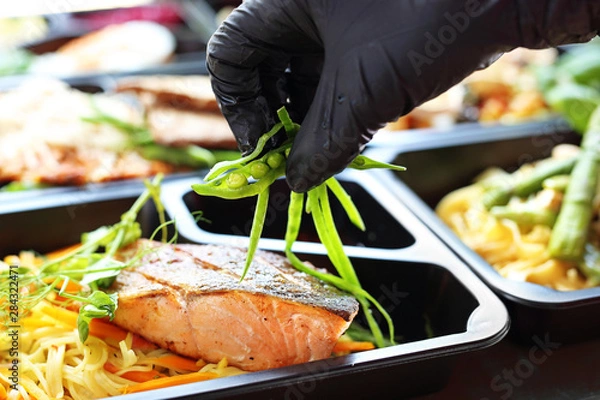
pixel 440 163
pixel 442 311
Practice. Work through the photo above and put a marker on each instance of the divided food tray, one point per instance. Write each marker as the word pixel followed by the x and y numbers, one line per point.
pixel 440 308
pixel 97 83
pixel 442 163
pixel 106 81
pixel 191 24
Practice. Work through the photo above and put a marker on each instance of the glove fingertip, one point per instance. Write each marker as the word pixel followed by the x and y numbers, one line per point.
pixel 310 163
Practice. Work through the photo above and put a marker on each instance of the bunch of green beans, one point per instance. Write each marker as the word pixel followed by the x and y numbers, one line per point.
pixel 253 175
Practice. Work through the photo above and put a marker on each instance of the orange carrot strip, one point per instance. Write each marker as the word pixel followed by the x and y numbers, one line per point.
pixel 170 381
pixel 62 252
pixel 72 286
pixel 105 330
pixel 176 362
pixel 136 376
pixel 99 328
pixel 342 347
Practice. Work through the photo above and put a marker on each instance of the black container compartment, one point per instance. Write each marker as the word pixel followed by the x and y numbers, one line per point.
pixel 421 310
pixel 440 308
pixel 429 300
pixel 440 164
pixel 382 230
pixel 58 218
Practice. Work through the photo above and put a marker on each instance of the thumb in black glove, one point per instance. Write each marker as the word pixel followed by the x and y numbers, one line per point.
pixel 346 67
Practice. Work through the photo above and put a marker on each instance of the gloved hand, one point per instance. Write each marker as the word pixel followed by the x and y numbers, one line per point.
pixel 344 68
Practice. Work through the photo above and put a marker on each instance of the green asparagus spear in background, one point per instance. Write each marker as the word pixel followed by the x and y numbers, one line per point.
pixel 499 194
pixel 543 170
pixel 557 183
pixel 525 214
pixel 570 232
pixel 523 185
pixel 191 155
pixel 590 264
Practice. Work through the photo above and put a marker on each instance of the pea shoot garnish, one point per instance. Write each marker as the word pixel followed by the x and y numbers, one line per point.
pixel 253 175
pixel 82 273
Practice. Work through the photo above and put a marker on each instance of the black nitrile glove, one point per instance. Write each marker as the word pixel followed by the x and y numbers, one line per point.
pixel 344 68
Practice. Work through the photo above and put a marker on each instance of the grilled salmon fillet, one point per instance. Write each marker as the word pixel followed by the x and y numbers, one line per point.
pixel 173 127
pixel 44 137
pixel 181 110
pixel 189 299
pixel 183 92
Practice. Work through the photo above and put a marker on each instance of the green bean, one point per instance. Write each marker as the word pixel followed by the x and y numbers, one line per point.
pixel 351 273
pixel 228 180
pixel 329 236
pixel 294 219
pixel 326 227
pixel 363 162
pixel 346 202
pixel 258 169
pixel 325 236
pixel 236 180
pixel 260 213
pixel 356 291
pixel 327 277
pixel 274 160
pixel 219 188
pixel 226 155
pixel 222 167
pixel 290 127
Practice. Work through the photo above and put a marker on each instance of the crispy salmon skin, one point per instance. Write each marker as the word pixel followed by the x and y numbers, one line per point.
pixel 189 299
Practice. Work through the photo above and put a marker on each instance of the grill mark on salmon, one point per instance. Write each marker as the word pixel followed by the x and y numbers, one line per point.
pixel 189 299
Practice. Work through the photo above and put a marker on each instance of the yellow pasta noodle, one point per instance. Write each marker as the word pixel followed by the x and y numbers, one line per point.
pixel 54 364
pixel 516 252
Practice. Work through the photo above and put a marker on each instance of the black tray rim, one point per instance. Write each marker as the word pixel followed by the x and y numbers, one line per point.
pixel 521 292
